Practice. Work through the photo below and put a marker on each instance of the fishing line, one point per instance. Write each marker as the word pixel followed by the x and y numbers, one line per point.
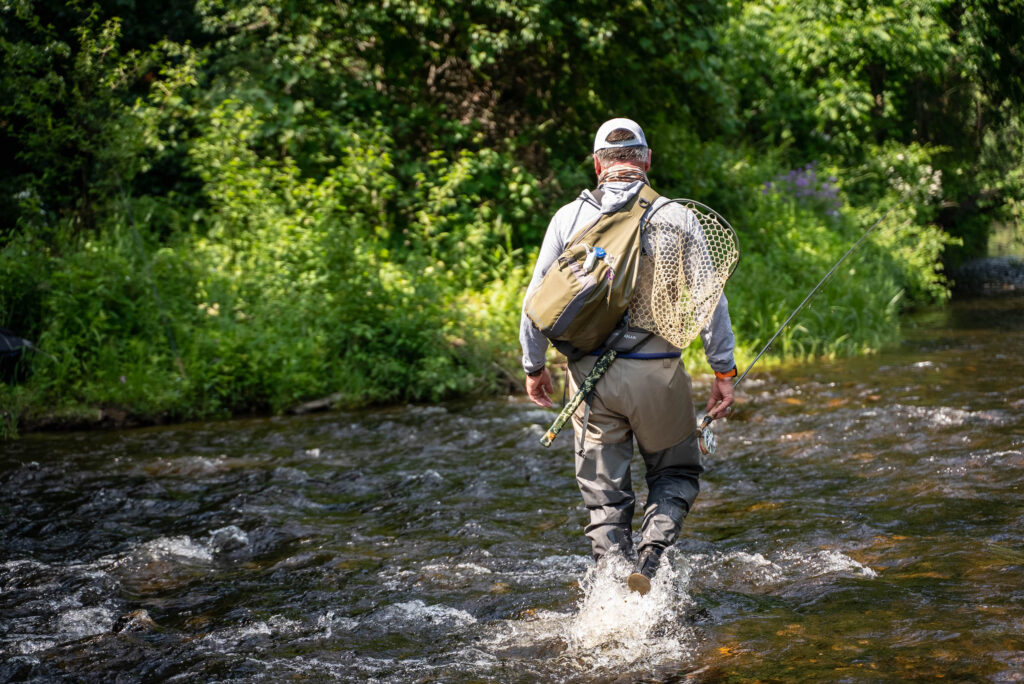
pixel 704 431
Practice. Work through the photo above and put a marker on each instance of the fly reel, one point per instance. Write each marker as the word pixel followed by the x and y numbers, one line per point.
pixel 706 441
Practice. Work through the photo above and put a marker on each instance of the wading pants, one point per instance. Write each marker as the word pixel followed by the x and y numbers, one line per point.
pixel 651 400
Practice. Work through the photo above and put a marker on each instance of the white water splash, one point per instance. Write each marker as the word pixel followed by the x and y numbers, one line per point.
pixel 185 549
pixel 947 416
pixel 225 539
pixel 168 548
pixel 754 572
pixel 193 466
pixel 328 623
pixel 458 570
pixel 616 626
pixel 58 605
pixel 246 635
pixel 548 569
pixel 417 611
pixel 824 562
pixel 82 622
pixel 611 629
pixel 29 646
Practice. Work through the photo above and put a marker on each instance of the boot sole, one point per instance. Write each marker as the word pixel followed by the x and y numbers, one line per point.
pixel 639 583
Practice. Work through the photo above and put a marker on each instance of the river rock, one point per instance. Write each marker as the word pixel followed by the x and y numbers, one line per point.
pixel 990 275
pixel 135 621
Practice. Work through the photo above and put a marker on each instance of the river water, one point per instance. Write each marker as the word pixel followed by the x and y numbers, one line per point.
pixel 861 521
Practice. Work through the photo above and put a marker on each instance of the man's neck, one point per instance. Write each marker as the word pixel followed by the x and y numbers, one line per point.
pixel 622 172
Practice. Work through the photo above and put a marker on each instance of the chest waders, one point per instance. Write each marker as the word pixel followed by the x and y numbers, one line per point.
pixel 604 362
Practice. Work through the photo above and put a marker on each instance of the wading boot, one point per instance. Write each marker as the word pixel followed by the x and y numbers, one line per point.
pixel 646 566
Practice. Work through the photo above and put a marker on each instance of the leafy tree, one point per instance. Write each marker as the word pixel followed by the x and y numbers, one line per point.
pixel 63 124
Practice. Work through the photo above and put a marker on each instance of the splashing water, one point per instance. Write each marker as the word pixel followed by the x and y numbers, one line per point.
pixel 616 627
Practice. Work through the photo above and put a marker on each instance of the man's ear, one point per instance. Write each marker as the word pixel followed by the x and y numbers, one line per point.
pixel 650 157
pixel 597 166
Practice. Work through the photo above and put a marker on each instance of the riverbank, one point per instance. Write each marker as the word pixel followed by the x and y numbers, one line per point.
pixel 979 277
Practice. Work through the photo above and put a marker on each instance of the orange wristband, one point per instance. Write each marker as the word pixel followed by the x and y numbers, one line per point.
pixel 727 374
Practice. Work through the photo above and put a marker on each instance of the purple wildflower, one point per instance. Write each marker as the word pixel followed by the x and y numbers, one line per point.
pixel 804 185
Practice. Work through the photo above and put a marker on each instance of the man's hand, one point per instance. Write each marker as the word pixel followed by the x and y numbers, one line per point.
pixel 539 389
pixel 721 397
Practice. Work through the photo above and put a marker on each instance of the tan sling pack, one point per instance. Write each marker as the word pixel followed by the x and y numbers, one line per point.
pixel 586 291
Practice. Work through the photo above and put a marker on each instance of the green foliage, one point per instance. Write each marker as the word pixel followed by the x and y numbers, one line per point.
pixel 789 244
pixel 214 208
pixel 839 81
pixel 828 76
pixel 24 264
pixel 903 179
pixel 68 137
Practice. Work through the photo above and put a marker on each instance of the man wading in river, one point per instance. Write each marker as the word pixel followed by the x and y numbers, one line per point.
pixel 645 393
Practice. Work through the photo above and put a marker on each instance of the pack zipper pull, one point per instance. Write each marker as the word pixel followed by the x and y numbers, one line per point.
pixel 592 257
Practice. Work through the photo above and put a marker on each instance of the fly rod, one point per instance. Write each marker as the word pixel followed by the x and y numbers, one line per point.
pixel 707 419
pixel 588 385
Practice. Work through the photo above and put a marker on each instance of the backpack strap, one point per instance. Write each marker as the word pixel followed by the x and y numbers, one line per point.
pixel 582 232
pixel 647 197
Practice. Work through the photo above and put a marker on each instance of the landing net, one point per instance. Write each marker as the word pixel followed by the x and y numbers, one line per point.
pixel 689 253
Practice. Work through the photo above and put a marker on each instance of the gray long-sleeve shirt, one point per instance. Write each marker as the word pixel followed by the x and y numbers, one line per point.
pixel 717 336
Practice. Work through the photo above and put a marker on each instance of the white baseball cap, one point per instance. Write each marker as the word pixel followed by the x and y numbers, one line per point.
pixel 601 142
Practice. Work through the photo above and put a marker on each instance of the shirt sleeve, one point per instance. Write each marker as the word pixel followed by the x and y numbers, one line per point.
pixel 718 339
pixel 533 342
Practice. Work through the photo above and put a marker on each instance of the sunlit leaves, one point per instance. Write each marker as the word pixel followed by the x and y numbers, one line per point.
pixel 855 67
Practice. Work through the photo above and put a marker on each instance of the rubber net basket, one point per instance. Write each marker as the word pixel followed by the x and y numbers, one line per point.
pixel 690 252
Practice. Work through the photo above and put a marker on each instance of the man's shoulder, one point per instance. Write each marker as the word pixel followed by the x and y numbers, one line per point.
pixel 567 213
pixel 584 197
